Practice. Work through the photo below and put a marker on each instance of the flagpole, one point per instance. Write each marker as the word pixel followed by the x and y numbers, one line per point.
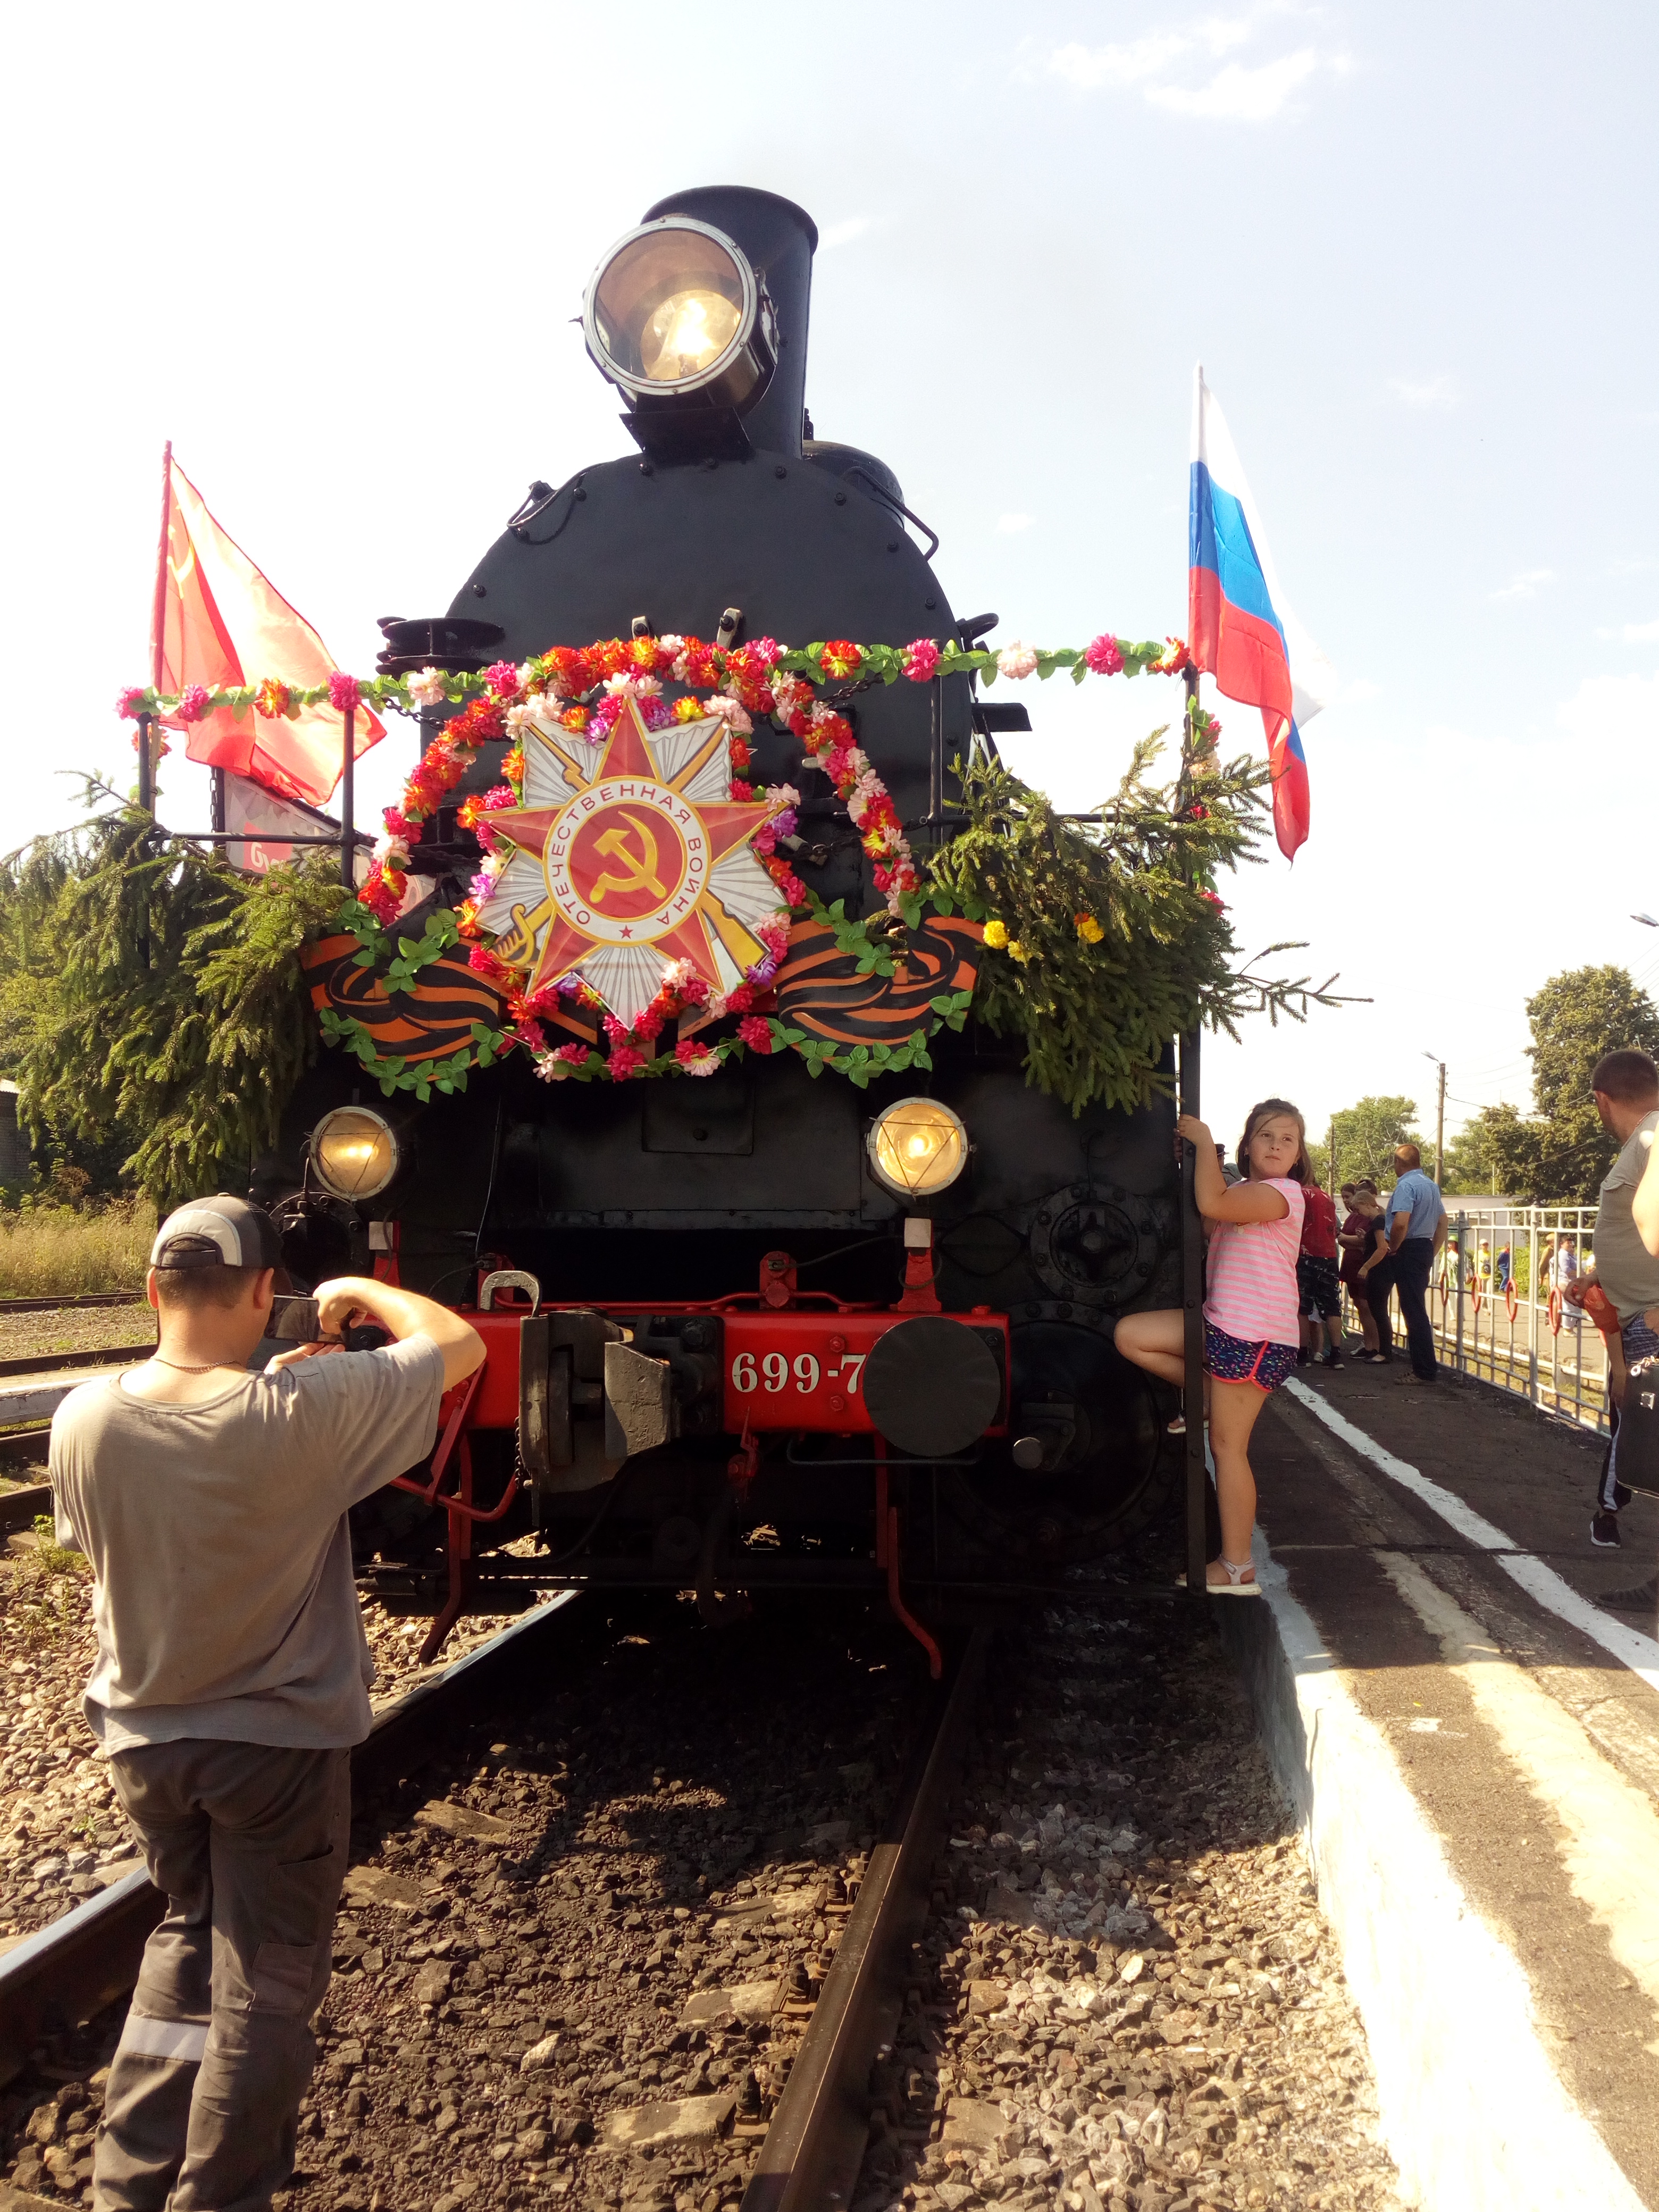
pixel 348 797
pixel 158 618
pixel 1192 1258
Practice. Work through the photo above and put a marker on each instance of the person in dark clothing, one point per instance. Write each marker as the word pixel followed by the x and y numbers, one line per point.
pixel 1417 1229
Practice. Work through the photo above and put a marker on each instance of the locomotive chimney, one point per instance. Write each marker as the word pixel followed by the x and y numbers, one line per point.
pixel 780 241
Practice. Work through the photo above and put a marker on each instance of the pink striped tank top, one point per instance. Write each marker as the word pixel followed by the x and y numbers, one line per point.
pixel 1252 1274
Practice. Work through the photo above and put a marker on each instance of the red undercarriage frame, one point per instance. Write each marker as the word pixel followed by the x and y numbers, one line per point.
pixel 793 1360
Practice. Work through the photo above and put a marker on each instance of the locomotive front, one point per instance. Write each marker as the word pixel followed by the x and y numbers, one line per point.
pixel 770 1325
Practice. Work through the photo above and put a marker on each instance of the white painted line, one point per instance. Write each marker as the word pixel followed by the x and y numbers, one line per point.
pixel 1607 1830
pixel 1629 1645
pixel 1472 2110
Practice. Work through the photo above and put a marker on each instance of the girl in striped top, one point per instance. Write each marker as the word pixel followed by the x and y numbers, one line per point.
pixel 1252 1325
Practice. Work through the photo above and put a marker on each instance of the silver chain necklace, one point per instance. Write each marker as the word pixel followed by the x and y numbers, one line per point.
pixel 180 1368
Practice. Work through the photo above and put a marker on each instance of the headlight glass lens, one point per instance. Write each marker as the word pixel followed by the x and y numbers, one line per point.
pixel 918 1147
pixel 354 1153
pixel 669 305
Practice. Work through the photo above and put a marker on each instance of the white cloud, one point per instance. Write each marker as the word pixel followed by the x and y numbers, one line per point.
pixel 1433 391
pixel 1171 69
pixel 1237 94
pixel 1623 710
pixel 1010 526
pixel 1524 584
pixel 1634 633
pixel 1358 691
pixel 843 234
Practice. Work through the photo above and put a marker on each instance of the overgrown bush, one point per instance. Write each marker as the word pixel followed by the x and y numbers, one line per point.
pixel 64 1251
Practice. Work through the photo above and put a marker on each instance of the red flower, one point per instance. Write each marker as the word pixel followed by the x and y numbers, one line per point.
pixel 841 658
pixel 502 677
pixel 1100 655
pixel 1197 813
pixel 615 1030
pixel 625 1061
pixel 1173 659
pixel 131 702
pixel 741 792
pixel 344 691
pixel 922 660
pixel 1210 899
pixel 193 702
pixel 755 1033
pixel 650 1022
pixel 740 1001
pixel 483 963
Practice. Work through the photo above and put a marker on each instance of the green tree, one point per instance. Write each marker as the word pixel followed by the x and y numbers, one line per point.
pixel 1559 1158
pixel 1366 1135
pixel 1479 1156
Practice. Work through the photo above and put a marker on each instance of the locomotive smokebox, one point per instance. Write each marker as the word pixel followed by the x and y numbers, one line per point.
pixel 700 319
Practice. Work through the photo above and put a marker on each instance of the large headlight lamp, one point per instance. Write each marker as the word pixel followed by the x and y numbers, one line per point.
pixel 354 1152
pixel 675 312
pixel 917 1147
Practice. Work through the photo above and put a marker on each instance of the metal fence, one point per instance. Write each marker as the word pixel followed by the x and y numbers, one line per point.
pixel 1495 1299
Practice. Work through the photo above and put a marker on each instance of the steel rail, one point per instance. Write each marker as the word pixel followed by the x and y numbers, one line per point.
pixel 82 1961
pixel 58 1363
pixel 67 1305
pixel 19 1508
pixel 810 2159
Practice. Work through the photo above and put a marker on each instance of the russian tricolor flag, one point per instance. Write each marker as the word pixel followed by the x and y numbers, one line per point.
pixel 1240 627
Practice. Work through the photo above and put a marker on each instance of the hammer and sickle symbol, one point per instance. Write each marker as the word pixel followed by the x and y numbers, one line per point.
pixel 614 846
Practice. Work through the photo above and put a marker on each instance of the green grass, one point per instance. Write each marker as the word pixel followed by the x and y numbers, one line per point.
pixel 64 1251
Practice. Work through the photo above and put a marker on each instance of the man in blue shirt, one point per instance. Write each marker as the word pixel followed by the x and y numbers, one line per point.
pixel 1417 1229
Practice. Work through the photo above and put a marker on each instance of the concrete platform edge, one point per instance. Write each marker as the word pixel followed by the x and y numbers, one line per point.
pixel 1473 2112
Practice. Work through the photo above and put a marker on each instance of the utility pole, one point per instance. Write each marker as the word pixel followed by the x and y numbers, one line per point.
pixel 1440 1123
pixel 1330 1154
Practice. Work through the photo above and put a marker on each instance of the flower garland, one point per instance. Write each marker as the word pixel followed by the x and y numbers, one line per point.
pixel 582 690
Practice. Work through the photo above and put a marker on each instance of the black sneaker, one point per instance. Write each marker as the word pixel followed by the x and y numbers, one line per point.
pixel 1644 1598
pixel 1302 1355
pixel 1332 1359
pixel 1604 1534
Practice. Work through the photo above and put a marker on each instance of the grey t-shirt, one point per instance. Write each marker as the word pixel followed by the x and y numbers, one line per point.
pixel 220 1553
pixel 1625 1269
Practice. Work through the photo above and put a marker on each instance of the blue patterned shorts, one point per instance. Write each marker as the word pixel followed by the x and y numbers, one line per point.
pixel 1230 1360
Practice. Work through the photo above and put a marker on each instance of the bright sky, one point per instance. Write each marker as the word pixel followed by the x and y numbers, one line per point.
pixel 334 254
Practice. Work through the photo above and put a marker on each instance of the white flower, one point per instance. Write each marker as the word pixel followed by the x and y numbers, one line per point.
pixel 670 643
pixel 633 687
pixel 551 1070
pixel 524 715
pixel 715 1007
pixel 392 852
pixel 789 694
pixel 528 674
pixel 703 1063
pixel 426 688
pixel 676 974
pixel 1017 659
pixel 780 797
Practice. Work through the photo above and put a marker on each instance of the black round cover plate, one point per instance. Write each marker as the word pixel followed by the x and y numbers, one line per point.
pixel 932 1386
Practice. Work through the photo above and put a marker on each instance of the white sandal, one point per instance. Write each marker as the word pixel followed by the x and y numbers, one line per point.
pixel 1235 1585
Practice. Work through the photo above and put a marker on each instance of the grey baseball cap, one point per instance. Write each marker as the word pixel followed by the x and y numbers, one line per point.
pixel 218 1231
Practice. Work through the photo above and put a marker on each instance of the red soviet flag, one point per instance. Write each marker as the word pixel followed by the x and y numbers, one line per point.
pixel 218 622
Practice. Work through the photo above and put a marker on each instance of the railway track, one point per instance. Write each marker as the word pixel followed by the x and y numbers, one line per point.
pixel 67 1305
pixel 810 2152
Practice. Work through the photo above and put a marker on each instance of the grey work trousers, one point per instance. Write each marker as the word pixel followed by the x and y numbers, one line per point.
pixel 248 1843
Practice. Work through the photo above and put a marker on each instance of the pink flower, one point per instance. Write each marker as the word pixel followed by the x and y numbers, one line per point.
pixel 1210 899
pixel 193 702
pixel 625 1061
pixel 1102 656
pixel 344 692
pixel 755 1033
pixel 426 688
pixel 616 1030
pixel 502 678
pixel 789 695
pixel 131 702
pixel 1017 659
pixel 731 711
pixel 695 1058
pixel 922 660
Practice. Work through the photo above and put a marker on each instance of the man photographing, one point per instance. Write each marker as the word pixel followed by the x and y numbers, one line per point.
pixel 232 1678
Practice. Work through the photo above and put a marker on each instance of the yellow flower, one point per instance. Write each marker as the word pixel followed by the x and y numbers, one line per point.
pixel 1016 951
pixel 1089 929
pixel 996 935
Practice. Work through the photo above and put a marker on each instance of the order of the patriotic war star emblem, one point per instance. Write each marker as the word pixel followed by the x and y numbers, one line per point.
pixel 626 857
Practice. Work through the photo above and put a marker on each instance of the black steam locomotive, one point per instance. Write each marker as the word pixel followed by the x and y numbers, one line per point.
pixel 730 1346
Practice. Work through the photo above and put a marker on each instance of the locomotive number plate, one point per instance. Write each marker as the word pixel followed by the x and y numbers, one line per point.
pixel 805 1370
